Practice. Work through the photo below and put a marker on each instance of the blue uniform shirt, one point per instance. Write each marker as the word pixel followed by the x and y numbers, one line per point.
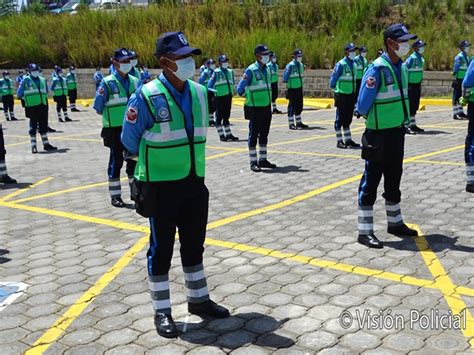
pixel 468 81
pixel 132 132
pixel 371 83
pixel 410 61
pixel 19 79
pixel 205 75
pixel 337 72
pixel 145 75
pixel 247 78
pixel 21 88
pixel 102 94
pixel 457 61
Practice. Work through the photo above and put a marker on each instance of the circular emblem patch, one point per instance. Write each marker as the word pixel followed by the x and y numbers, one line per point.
pixel 163 112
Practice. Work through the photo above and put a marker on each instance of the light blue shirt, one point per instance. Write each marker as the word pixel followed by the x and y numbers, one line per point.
pixel 468 81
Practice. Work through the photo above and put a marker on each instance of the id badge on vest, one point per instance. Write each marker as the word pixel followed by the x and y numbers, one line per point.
pixel 162 109
pixel 389 80
pixel 114 90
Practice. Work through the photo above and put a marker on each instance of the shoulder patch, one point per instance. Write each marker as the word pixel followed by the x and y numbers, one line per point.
pixel 101 91
pixel 131 115
pixel 370 82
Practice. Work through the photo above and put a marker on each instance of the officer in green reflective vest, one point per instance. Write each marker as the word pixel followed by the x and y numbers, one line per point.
pixel 111 102
pixel 165 129
pixel 383 102
pixel 71 80
pixel 273 66
pixel 362 63
pixel 60 90
pixel 415 64
pixel 34 91
pixel 4 177
pixel 223 82
pixel 6 92
pixel 255 85
pixel 461 62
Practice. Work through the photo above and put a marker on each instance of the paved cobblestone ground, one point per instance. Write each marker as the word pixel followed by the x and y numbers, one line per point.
pixel 287 270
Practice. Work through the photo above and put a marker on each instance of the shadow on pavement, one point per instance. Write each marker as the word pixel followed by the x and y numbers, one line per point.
pixel 20 185
pixel 437 242
pixel 3 259
pixel 62 150
pixel 285 170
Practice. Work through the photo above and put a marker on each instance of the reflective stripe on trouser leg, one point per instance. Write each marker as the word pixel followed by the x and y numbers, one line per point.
pixel 114 187
pixel 59 115
pixel 159 287
pixel 44 138
pixel 365 219
pixel 220 131
pixel 470 173
pixel 347 134
pixel 339 135
pixel 7 117
pixel 33 141
pixel 211 116
pixel 3 168
pixel 263 152
pixel 65 114
pixel 227 131
pixel 298 119
pixel 290 120
pixel 253 155
pixel 274 105
pixel 196 285
pixel 73 105
pixel 12 114
pixel 394 214
pixel 412 121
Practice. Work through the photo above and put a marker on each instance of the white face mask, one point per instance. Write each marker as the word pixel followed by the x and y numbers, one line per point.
pixel 186 67
pixel 73 72
pixel 352 55
pixel 212 66
pixel 134 62
pixel 125 67
pixel 274 60
pixel 265 59
pixel 225 65
pixel 421 50
pixel 7 77
pixel 299 59
pixel 403 49
pixel 467 49
pixel 363 54
pixel 35 73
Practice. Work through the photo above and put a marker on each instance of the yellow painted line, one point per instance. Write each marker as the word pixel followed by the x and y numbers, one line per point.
pixel 436 162
pixel 19 143
pixel 422 108
pixel 223 148
pixel 20 191
pixel 445 285
pixel 427 155
pixel 436 102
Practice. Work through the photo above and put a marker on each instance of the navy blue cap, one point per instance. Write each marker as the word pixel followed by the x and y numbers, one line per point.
pixel 6 72
pixel 33 67
pixel 363 49
pixel 133 54
pixel 419 44
pixel 398 31
pixel 174 43
pixel 121 54
pixel 210 61
pixel 57 69
pixel 463 44
pixel 261 49
pixel 222 58
pixel 350 47
pixel 298 53
pixel 21 71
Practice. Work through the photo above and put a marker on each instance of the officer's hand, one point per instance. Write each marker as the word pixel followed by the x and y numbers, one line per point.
pixel 357 114
pixel 463 101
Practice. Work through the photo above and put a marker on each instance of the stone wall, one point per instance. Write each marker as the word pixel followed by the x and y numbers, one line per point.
pixel 316 82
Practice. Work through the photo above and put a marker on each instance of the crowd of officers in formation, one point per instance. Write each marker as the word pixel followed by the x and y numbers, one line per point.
pixel 159 126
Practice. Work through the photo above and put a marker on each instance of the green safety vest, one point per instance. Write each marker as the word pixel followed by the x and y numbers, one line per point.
pixel 295 80
pixel 60 88
pixel 6 87
pixel 116 105
pixel 273 67
pixel 463 67
pixel 34 95
pixel 224 84
pixel 415 73
pixel 346 83
pixel 259 92
pixel 361 64
pixel 166 152
pixel 390 109
pixel 71 81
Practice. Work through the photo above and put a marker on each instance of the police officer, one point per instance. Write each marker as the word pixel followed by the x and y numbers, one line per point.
pixel 7 90
pixel 166 125
pixel 97 77
pixel 203 80
pixel 273 67
pixel 34 91
pixel 461 62
pixel 53 72
pixel 256 86
pixel 383 101
pixel 60 91
pixel 293 77
pixel 72 88
pixel 134 62
pixel 145 76
pixel 468 97
pixel 4 177
pixel 343 82
pixel 415 64
pixel 111 102
pixel 362 64
pixel 19 78
pixel 203 65
pixel 223 82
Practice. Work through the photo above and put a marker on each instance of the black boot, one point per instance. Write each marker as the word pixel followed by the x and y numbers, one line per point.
pixel 7 179
pixel 292 126
pixel 117 202
pixel 49 147
pixel 34 150
pixel 50 130
pixel 165 325
pixel 402 231
pixel 67 119
pixel 302 125
pixel 264 163
pixel 255 168
pixel 351 144
pixel 208 308
pixel 370 241
pixel 417 129
pixel 341 145
pixel 232 138
pixel 470 188
pixel 75 110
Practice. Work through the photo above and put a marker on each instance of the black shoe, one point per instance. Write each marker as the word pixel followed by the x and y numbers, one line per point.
pixel 370 241
pixel 7 179
pixel 208 308
pixel 417 129
pixel 463 115
pixel 302 125
pixel 223 139
pixel 409 130
pixel 232 138
pixel 60 120
pixel 13 119
pixel 49 147
pixel 402 231
pixel 351 144
pixel 470 188
pixel 264 163
pixel 50 130
pixel 255 168
pixel 292 126
pixel 7 119
pixel 67 119
pixel 341 145
pixel 276 111
pixel 118 202
pixel 75 110
pixel 165 325
pixel 212 123
pixel 34 150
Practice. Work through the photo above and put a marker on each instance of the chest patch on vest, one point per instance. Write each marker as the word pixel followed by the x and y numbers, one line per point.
pixel 132 115
pixel 387 75
pixel 114 90
pixel 258 76
pixel 162 110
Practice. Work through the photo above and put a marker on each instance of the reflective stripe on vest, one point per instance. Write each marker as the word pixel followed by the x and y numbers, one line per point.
pixel 388 109
pixel 224 85
pixel 259 92
pixel 463 67
pixel 116 105
pixel 415 73
pixel 346 83
pixel 295 79
pixel 166 152
pixel 60 88
pixel 34 95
